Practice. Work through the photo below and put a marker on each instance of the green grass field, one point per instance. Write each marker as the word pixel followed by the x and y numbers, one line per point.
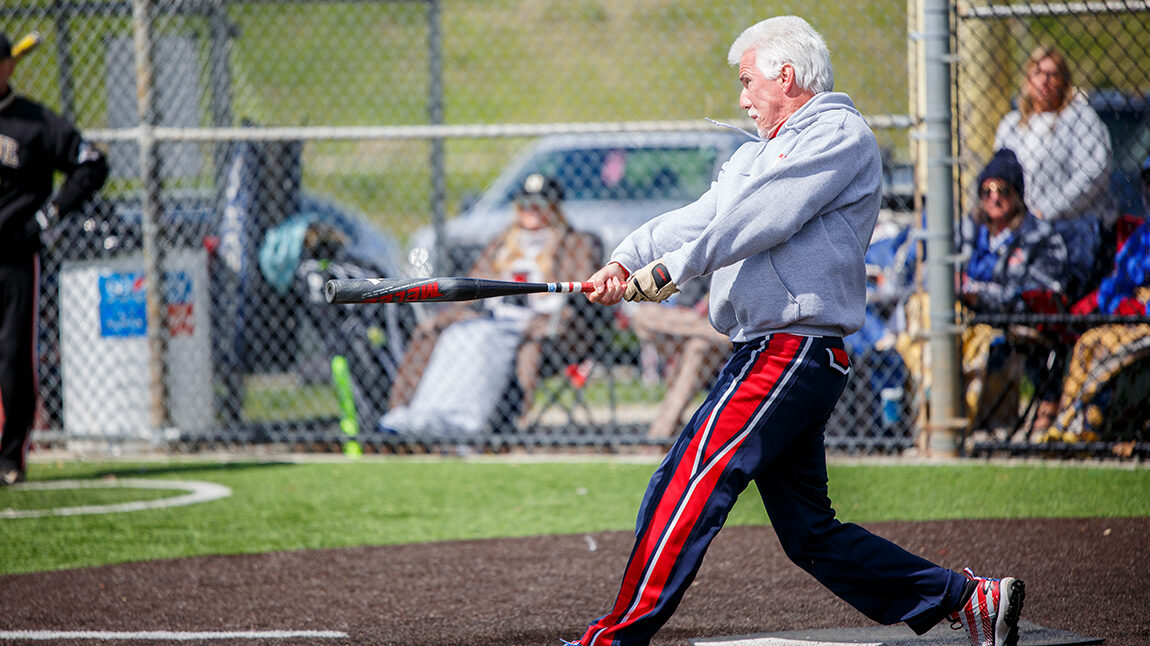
pixel 553 62
pixel 338 503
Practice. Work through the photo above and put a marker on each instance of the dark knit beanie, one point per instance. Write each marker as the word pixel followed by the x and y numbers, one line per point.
pixel 1004 166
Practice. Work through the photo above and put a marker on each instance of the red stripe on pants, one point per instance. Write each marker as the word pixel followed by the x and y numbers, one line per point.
pixel 695 476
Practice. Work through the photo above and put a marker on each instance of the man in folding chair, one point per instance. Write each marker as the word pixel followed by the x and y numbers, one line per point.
pixel 444 384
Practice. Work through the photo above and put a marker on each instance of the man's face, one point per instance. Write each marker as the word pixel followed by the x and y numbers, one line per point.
pixel 535 214
pixel 762 98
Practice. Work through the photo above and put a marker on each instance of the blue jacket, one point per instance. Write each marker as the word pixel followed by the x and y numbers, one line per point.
pixel 1032 259
pixel 1131 270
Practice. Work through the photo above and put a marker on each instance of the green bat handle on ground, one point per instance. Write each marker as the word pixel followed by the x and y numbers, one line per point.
pixel 341 379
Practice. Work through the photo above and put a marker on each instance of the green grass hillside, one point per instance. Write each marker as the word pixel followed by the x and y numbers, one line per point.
pixel 503 61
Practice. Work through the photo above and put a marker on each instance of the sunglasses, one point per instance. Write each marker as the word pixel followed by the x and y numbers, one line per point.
pixel 1004 190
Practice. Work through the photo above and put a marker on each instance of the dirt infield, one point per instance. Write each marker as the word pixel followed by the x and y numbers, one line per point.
pixel 1090 577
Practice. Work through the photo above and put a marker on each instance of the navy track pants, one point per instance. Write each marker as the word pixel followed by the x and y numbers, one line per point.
pixel 763 421
pixel 19 280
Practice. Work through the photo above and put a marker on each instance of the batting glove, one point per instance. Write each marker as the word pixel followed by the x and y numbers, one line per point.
pixel 652 283
pixel 47 216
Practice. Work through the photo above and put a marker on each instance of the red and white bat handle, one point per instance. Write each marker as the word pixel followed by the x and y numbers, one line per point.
pixel 571 288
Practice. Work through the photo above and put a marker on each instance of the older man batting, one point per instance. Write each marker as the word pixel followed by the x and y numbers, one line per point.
pixel 782 232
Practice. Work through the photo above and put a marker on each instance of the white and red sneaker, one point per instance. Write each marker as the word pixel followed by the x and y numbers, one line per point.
pixel 990 616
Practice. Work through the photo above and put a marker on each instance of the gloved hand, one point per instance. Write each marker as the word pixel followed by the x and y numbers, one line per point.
pixel 46 220
pixel 651 283
pixel 47 216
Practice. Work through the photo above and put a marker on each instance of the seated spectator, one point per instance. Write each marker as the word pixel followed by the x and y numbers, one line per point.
pixel 1065 152
pixel 1010 253
pixel 876 401
pixel 680 332
pixel 505 336
pixel 1103 351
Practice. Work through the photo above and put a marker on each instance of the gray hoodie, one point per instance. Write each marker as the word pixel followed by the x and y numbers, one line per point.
pixel 783 229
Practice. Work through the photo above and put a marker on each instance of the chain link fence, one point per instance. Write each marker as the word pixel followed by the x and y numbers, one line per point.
pixel 261 147
pixel 1065 86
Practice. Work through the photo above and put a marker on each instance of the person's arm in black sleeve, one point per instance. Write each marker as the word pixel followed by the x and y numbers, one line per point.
pixel 84 165
pixel 84 179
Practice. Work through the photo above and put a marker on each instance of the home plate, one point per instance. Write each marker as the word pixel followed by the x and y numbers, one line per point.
pixel 1029 634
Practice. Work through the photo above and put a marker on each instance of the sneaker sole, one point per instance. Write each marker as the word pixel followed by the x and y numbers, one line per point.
pixel 1006 628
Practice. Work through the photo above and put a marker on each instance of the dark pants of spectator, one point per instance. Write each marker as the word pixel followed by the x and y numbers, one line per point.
pixel 1082 236
pixel 19 276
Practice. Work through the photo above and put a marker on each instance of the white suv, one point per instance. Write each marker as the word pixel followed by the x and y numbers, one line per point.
pixel 613 182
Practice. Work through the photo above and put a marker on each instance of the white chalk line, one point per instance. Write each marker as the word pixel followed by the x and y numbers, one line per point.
pixel 165 635
pixel 197 492
pixel 776 641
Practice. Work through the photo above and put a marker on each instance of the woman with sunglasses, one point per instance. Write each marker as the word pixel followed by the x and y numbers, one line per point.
pixel 1011 256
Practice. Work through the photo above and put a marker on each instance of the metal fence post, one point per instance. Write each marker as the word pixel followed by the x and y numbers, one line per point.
pixel 435 117
pixel 940 228
pixel 62 21
pixel 150 175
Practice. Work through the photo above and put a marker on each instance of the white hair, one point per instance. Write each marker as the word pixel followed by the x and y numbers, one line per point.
pixel 784 40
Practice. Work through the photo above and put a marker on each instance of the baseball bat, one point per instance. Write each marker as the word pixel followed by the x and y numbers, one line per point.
pixel 26 44
pixel 402 290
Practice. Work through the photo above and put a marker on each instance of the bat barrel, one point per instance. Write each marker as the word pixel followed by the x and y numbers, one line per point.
pixel 26 44
pixel 331 291
pixel 357 290
pixel 384 290
pixel 395 290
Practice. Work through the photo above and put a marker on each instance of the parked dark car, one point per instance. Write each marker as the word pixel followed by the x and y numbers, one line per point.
pixel 1127 116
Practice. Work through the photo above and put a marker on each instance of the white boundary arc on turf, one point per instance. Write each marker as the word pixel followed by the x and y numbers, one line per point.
pixel 166 635
pixel 197 492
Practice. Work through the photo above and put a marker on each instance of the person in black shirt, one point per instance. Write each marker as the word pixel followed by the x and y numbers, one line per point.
pixel 34 144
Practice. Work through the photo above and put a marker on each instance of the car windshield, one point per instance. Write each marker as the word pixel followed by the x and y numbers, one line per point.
pixel 628 174
pixel 1131 140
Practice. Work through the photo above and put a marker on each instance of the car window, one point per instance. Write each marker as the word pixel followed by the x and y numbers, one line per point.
pixel 628 174
pixel 1128 119
pixel 1131 141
